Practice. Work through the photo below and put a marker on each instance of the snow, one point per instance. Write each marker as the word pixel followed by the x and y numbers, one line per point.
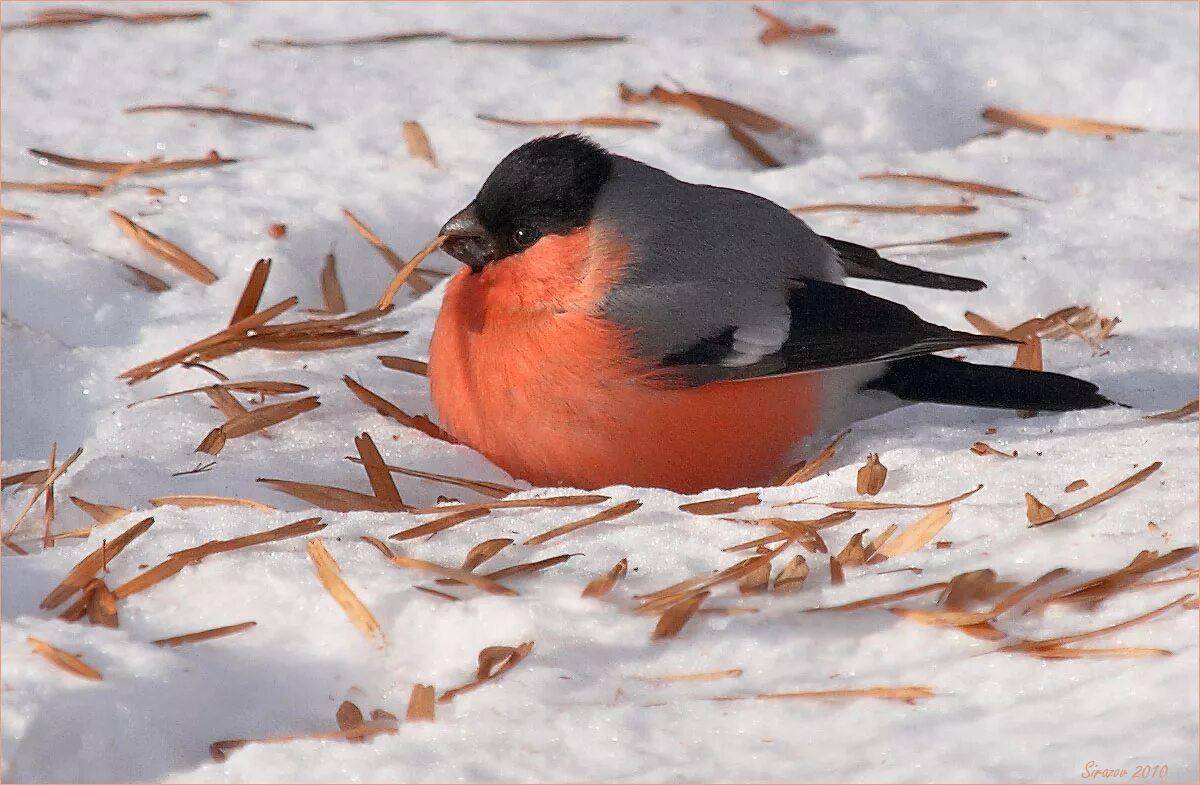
pixel 900 87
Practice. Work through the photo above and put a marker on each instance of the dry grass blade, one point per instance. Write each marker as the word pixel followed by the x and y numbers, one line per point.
pixel 882 599
pixel 221 111
pixel 676 678
pixel 391 257
pixel 84 189
pixel 331 287
pixel 462 576
pixel 405 364
pixel 165 250
pixel 1028 121
pixel 407 274
pixel 100 513
pixel 420 704
pixel 126 167
pixel 68 662
pixel 187 501
pixel 101 604
pixel 484 551
pixel 388 38
pixel 441 524
pixel 706 105
pixel 752 146
pixel 676 616
pixel 418 142
pixel 1104 495
pixel 961 185
pixel 861 505
pixel 204 635
pixel 598 587
pixel 970 238
pixel 377 472
pixel 609 514
pixel 330 576
pixel 871 476
pixel 89 565
pixel 906 694
pixel 52 474
pixel 982 448
pixel 498 504
pixel 567 40
pixel 494 662
pixel 779 30
pixel 1188 409
pixel 247 304
pixel 389 409
pixel 889 209
pixel 582 122
pixel 329 497
pixel 806 470
pixel 722 506
pixel 219 749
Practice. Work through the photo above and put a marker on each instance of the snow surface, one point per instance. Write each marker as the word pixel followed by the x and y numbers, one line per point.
pixel 899 87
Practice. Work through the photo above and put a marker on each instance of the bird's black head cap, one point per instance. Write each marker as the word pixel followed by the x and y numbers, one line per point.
pixel 546 186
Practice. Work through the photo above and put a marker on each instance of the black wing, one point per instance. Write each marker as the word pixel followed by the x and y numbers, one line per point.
pixel 859 261
pixel 831 326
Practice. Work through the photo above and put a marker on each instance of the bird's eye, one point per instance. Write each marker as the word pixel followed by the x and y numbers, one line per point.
pixel 526 236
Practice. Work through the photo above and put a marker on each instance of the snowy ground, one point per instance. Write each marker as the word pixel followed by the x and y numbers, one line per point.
pixel 900 86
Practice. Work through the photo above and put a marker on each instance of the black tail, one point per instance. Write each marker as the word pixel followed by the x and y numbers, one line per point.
pixel 933 379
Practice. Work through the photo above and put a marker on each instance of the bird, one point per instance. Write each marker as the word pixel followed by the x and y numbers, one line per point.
pixel 613 325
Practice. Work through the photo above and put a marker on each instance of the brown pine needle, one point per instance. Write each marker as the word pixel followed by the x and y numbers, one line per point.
pixel 186 501
pixel 48 515
pixel 389 409
pixel 677 678
pixel 806 470
pixel 405 364
pixel 889 209
pixel 84 189
pixel 1028 121
pixel 263 388
pixel 406 274
pixel 204 635
pixel 331 287
pixel 1027 645
pixel 972 587
pixel 488 585
pixel 1063 323
pixel 1075 485
pixel 89 565
pixel 52 474
pixel 66 17
pixel 440 524
pixel 147 281
pixel 722 506
pixel 882 599
pixel 1063 653
pixel 970 238
pixel 330 576
pixel 14 215
pixel 854 504
pixel 907 694
pixel 752 146
pixel 328 497
pixel 608 514
pixel 590 121
pixel 68 662
pixel 247 304
pixel 961 185
pixel 388 38
pixel 221 111
pixel 391 257
pixel 568 40
pixel 1188 409
pixel 494 662
pixel 483 551
pixel 418 142
pixel 34 477
pixel 100 513
pixel 676 616
pixel 1098 589
pixel 377 472
pixel 528 567
pixel 982 448
pixel 218 749
pixel 598 587
pixel 1120 487
pixel 498 504
pixel 113 167
pixel 779 30
pixel 255 420
pixel 706 105
pixel 420 704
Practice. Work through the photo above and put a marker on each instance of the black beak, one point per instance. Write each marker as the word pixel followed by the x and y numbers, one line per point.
pixel 467 240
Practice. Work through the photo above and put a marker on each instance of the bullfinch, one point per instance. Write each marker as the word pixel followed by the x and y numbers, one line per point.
pixel 614 325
